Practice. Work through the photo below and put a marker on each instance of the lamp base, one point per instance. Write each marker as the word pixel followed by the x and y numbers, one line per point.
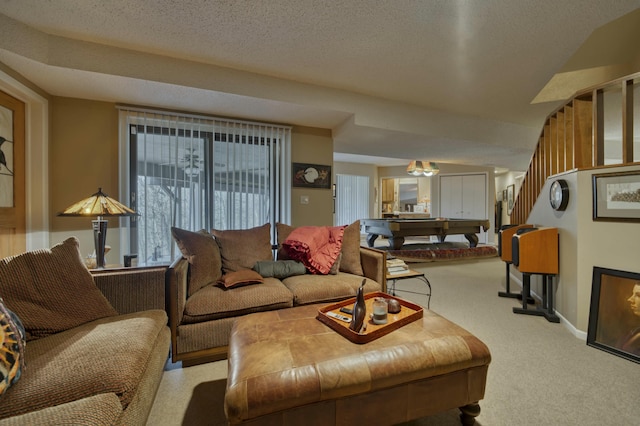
pixel 99 239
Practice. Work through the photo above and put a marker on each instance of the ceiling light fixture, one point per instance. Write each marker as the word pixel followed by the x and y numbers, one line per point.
pixel 422 168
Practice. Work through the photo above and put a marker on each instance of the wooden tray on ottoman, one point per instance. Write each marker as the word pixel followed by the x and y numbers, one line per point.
pixel 409 312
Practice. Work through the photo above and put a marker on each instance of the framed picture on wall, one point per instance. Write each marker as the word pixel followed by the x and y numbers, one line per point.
pixel 614 314
pixel 510 195
pixel 311 176
pixel 616 197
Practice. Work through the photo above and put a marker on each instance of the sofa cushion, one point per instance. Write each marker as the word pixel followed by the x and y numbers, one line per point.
pixel 240 278
pixel 350 261
pixel 203 255
pixel 51 290
pixel 242 248
pixel 213 302
pixel 12 342
pixel 279 268
pixel 103 409
pixel 310 288
pixel 108 355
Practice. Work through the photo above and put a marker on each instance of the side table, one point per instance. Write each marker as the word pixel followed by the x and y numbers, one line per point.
pixel 132 289
pixel 391 289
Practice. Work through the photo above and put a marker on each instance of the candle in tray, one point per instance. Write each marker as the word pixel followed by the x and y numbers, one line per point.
pixel 380 310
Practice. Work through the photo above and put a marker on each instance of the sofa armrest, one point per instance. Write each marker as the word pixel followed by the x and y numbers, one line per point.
pixel 176 280
pixel 132 289
pixel 374 265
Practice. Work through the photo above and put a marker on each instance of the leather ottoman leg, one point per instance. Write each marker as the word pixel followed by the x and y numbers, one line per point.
pixel 469 413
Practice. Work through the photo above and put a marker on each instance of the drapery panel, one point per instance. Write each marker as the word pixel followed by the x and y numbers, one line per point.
pixel 352 198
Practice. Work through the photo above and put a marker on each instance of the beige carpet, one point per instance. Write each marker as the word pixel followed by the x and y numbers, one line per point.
pixel 540 373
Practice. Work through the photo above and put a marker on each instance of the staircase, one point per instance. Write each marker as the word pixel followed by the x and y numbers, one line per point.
pixel 573 138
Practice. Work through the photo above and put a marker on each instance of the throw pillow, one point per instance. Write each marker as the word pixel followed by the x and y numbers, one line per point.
pixel 350 261
pixel 52 290
pixel 11 348
pixel 240 278
pixel 336 265
pixel 203 255
pixel 241 249
pixel 283 233
pixel 280 269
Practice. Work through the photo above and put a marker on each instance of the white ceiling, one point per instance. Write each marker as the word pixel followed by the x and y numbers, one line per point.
pixel 449 81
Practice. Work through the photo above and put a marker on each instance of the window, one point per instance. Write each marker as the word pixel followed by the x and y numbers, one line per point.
pixel 352 198
pixel 201 173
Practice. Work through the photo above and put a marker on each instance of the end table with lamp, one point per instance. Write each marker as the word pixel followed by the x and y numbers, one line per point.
pixel 100 205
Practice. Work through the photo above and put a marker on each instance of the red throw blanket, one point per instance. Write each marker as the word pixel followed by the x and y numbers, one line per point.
pixel 317 247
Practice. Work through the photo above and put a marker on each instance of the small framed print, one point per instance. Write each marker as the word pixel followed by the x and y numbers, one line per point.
pixel 510 197
pixel 311 176
pixel 616 197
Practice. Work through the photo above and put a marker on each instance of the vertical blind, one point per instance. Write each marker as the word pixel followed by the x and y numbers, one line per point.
pixel 197 172
pixel 352 198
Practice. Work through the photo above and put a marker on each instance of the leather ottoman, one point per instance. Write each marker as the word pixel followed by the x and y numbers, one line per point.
pixel 287 368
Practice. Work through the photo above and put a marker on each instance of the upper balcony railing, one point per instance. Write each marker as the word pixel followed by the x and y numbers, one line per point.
pixel 596 128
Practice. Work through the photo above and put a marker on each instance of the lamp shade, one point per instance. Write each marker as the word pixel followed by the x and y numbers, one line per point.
pixel 98 204
pixel 430 169
pixel 415 168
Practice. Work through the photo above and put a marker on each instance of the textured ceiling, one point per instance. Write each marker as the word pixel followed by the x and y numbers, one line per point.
pixel 451 81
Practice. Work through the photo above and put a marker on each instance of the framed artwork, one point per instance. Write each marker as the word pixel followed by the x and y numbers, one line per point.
pixel 311 176
pixel 6 157
pixel 614 314
pixel 510 195
pixel 616 197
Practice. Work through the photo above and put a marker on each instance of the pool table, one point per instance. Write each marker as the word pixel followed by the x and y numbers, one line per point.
pixel 397 229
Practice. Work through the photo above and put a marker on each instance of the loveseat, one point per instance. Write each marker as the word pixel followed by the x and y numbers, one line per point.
pixel 202 307
pixel 68 357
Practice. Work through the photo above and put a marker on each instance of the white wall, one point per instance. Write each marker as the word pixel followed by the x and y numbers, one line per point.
pixel 502 182
pixel 584 243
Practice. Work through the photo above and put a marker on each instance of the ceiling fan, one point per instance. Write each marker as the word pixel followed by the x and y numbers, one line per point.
pixel 189 161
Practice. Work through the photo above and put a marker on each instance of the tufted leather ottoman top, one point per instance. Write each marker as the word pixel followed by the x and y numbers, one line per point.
pixel 287 358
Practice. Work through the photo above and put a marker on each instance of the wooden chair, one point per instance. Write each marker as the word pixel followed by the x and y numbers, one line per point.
pixel 505 234
pixel 535 252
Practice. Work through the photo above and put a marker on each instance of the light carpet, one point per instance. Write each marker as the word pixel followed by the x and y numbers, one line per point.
pixel 540 373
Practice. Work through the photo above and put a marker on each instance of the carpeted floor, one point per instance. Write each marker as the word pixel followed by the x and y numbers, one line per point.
pixel 540 373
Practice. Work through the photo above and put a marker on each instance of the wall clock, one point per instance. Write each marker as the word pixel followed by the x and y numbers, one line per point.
pixel 559 195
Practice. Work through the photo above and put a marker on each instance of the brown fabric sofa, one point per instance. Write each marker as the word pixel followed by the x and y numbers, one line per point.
pixel 202 312
pixel 84 363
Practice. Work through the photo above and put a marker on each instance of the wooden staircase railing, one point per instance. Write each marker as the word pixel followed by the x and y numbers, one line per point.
pixel 573 138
